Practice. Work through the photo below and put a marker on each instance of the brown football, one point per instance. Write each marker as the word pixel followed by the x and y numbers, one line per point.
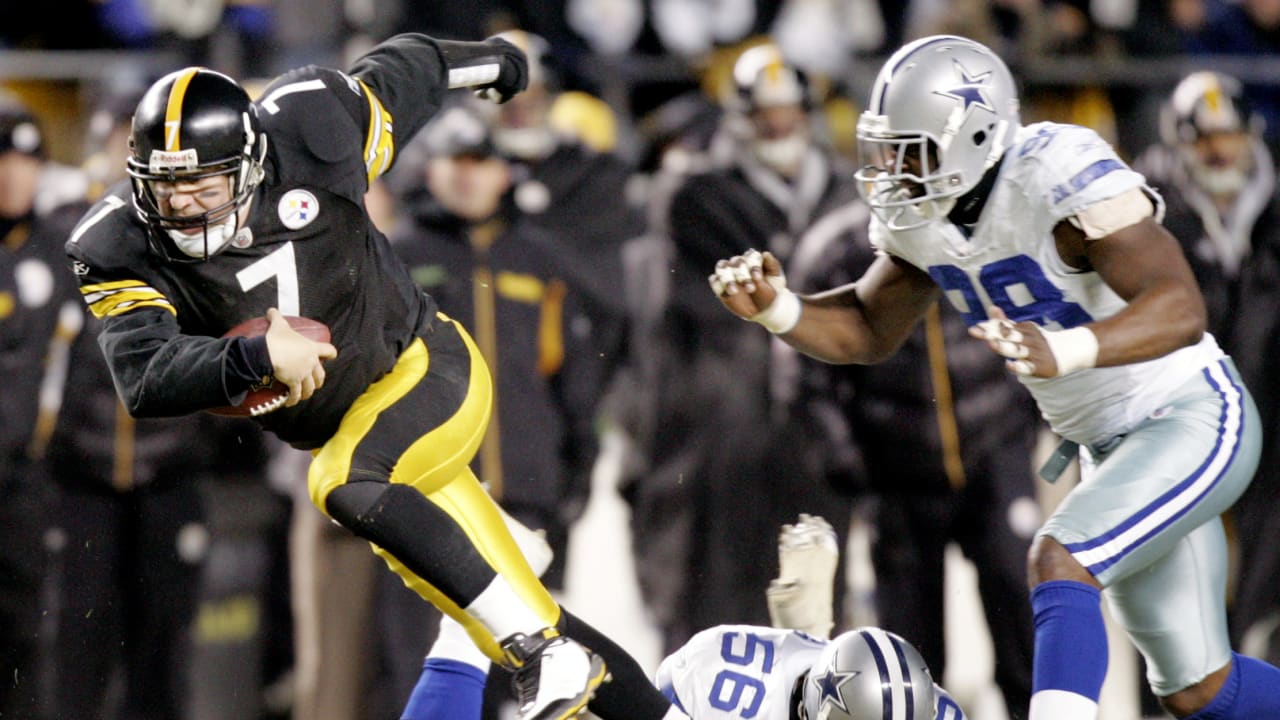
pixel 262 399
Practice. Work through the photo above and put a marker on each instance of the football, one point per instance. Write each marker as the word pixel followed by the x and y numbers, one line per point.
pixel 262 399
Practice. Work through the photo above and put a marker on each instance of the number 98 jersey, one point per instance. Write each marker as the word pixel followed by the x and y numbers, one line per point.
pixel 738 671
pixel 1009 259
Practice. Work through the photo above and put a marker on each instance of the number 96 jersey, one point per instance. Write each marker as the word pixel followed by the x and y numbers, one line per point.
pixel 738 671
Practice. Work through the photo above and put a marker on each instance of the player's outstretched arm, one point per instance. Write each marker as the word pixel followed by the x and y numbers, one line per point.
pixel 863 323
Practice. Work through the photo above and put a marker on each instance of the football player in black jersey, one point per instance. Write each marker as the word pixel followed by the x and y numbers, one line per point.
pixel 237 208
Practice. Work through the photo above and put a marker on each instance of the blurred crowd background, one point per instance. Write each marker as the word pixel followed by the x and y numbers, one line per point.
pixel 163 570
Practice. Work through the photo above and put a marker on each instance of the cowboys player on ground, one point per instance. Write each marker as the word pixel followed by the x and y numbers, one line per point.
pixel 1052 249
pixel 236 209
pixel 744 671
pixel 790 671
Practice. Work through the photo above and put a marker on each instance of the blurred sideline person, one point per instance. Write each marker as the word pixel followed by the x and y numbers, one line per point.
pixel 1218 180
pixel 721 424
pixel 240 209
pixel 567 181
pixel 40 202
pixel 787 671
pixel 1051 247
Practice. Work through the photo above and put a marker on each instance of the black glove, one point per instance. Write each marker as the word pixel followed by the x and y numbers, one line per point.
pixel 467 60
pixel 513 75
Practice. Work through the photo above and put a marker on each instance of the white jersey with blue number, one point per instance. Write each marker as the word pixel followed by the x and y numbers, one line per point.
pixel 748 672
pixel 1050 173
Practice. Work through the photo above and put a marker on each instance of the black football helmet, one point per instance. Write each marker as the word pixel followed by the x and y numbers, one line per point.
pixel 1213 131
pixel 189 125
pixel 1206 102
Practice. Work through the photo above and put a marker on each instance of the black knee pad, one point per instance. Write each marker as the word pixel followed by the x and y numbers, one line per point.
pixel 416 531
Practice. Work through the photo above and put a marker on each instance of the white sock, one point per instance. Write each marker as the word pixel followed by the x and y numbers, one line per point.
pixel 1062 705
pixel 502 612
pixel 453 643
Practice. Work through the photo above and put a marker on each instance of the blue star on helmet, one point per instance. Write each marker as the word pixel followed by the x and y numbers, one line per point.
pixel 829 685
pixel 971 91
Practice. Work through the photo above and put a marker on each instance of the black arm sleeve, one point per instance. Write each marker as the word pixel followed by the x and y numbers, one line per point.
pixel 159 372
pixel 409 75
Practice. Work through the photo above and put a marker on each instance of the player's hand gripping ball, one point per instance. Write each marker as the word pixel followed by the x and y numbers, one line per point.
pixel 270 395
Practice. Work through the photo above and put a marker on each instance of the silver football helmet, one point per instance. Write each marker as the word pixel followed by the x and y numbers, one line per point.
pixel 942 111
pixel 869 674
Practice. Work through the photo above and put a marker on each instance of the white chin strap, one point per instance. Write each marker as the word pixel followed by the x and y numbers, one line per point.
pixel 218 237
pixel 1222 181
pixel 783 155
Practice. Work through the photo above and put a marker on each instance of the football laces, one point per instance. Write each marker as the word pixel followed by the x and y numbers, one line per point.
pixel 273 404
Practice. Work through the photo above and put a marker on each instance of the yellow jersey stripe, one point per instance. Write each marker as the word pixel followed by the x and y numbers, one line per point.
pixel 173 111
pixel 379 142
pixel 128 295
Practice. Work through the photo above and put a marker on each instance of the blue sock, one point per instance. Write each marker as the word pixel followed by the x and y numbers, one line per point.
pixel 446 690
pixel 1252 690
pixel 1071 640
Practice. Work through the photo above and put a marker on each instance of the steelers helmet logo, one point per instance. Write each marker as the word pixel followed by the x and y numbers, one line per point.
pixel 298 208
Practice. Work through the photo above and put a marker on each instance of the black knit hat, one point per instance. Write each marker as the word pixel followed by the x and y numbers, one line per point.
pixel 19 130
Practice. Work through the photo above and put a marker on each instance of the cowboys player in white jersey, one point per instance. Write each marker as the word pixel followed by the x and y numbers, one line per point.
pixel 1051 247
pixel 746 671
pixel 791 671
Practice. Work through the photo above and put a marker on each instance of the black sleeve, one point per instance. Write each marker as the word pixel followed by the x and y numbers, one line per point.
pixel 159 372
pixel 408 75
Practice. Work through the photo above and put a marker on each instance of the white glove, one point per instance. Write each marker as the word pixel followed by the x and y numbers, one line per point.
pixel 801 596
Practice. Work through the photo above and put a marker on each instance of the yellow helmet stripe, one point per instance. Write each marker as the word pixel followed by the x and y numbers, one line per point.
pixel 173 111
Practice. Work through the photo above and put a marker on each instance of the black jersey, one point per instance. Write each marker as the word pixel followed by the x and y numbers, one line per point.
pixel 307 248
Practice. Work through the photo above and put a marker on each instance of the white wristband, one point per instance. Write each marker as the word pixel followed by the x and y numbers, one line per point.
pixel 1074 349
pixel 782 314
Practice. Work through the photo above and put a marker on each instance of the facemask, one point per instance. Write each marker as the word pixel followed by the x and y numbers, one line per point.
pixel 219 236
